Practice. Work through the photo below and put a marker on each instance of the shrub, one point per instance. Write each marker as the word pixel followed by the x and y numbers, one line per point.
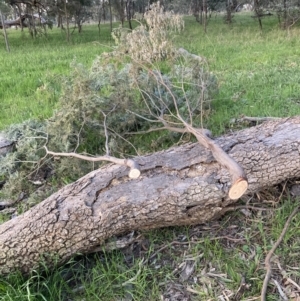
pixel 150 41
pixel 101 109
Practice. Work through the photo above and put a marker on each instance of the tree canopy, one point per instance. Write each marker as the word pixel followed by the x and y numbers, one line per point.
pixel 63 12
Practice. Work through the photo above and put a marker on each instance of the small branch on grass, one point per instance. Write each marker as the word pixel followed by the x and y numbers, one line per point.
pixel 134 172
pixel 287 278
pixel 270 254
pixel 234 208
pixel 175 242
pixel 280 290
pixel 239 293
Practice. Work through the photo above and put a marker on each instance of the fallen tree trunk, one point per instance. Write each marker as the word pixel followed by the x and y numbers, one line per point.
pixel 180 186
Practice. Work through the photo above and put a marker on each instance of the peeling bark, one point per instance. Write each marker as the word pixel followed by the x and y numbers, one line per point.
pixel 180 186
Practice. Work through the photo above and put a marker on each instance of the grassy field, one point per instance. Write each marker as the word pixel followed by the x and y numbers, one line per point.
pixel 257 72
pixel 259 75
pixel 36 64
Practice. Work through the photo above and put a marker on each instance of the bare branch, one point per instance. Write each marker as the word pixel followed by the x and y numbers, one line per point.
pixel 288 279
pixel 124 139
pixel 134 172
pixel 280 290
pixel 142 117
pixel 239 179
pixel 78 136
pixel 105 129
pixel 169 90
pixel 147 131
pixel 271 252
pixel 187 102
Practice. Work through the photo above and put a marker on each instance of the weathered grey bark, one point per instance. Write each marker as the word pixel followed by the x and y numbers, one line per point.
pixel 180 186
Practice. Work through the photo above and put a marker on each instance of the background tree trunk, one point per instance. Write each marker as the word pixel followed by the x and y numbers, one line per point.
pixel 180 186
pixel 4 32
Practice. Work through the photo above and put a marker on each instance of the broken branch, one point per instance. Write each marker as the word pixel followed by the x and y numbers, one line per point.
pixel 134 172
pixel 271 252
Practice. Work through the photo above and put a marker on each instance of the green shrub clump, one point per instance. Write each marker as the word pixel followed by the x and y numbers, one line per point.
pixel 102 109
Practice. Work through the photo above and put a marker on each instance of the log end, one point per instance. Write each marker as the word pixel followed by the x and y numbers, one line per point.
pixel 238 188
pixel 134 173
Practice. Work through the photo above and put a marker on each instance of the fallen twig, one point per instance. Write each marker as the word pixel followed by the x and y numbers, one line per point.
pixel 234 208
pixel 281 292
pixel 243 286
pixel 287 278
pixel 175 242
pixel 269 255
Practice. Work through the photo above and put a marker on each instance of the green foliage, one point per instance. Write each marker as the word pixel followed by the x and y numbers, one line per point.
pixel 122 98
pixel 20 166
pixel 100 108
pixel 152 41
pixel 120 93
pixel 221 254
pixel 254 80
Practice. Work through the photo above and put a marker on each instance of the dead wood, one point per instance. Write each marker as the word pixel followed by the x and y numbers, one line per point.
pixel 271 252
pixel 134 171
pixel 180 186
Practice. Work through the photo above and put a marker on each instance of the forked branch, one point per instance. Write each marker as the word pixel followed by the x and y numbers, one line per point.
pixel 134 172
pixel 238 176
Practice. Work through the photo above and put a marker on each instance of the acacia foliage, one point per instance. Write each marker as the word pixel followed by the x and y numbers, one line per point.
pixel 101 110
pixel 152 40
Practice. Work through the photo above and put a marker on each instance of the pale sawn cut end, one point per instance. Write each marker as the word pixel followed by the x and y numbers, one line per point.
pixel 238 189
pixel 134 173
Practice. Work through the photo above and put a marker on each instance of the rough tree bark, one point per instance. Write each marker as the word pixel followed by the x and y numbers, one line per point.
pixel 180 186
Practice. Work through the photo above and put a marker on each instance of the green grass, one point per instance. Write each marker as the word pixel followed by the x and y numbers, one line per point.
pixel 258 72
pixel 36 64
pixel 222 253
pixel 258 75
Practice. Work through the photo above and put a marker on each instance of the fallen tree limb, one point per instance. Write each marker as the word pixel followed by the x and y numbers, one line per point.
pixel 271 252
pixel 180 186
